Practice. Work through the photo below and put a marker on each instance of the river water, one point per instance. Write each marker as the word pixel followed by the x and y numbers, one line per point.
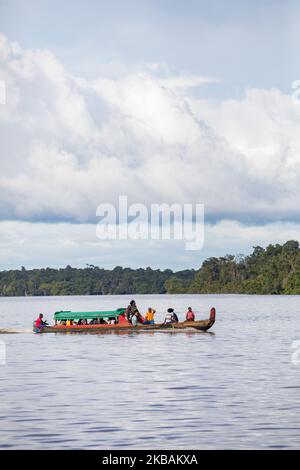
pixel 234 387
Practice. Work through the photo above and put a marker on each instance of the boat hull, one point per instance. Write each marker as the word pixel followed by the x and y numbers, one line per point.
pixel 201 325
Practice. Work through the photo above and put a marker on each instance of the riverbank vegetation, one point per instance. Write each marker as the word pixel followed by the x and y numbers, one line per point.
pixel 271 270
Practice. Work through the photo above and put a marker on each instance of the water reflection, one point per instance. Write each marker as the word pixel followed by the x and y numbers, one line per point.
pixel 231 387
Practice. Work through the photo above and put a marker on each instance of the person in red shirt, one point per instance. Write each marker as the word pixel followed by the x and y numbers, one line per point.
pixel 190 316
pixel 39 321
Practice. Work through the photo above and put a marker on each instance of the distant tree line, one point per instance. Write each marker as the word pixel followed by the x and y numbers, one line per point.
pixel 271 270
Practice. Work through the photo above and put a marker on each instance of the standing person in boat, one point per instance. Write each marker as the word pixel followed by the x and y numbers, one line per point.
pixel 149 316
pixel 131 310
pixel 190 316
pixel 40 322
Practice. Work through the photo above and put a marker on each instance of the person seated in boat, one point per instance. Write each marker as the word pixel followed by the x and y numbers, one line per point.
pixel 137 318
pixel 102 321
pixel 40 322
pixel 174 315
pixel 149 316
pixel 69 322
pixel 111 321
pixel 190 316
pixel 171 316
pixel 134 319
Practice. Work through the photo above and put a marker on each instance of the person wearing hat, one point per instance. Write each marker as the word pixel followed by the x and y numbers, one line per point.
pixel 171 316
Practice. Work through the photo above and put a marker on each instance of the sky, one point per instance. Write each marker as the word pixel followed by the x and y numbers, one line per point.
pixel 163 101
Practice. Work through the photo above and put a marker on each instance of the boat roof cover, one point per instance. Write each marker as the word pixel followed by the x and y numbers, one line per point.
pixel 68 315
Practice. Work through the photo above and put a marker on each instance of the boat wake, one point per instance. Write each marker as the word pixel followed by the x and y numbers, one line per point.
pixel 14 330
pixel 182 330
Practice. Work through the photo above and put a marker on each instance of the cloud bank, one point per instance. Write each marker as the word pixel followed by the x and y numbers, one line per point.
pixel 69 143
pixel 36 245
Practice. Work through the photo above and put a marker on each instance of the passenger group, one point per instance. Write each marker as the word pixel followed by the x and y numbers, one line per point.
pixel 130 316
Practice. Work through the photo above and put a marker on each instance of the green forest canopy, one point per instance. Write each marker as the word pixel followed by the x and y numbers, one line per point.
pixel 271 270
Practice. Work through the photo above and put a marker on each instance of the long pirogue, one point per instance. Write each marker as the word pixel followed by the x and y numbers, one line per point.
pixel 201 325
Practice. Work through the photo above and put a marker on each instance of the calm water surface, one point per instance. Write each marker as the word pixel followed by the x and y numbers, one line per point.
pixel 236 387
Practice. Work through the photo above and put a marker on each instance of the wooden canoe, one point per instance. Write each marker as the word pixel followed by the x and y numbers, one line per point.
pixel 200 325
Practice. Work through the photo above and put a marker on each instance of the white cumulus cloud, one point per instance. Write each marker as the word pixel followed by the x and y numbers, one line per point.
pixel 69 143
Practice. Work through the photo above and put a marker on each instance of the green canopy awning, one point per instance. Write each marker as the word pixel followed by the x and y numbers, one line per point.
pixel 68 315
